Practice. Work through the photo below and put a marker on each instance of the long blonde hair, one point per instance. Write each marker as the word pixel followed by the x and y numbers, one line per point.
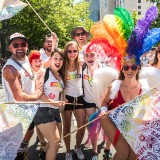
pixel 66 61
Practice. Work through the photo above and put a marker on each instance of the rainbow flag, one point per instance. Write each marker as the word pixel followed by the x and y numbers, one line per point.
pixel 139 122
pixel 15 120
pixel 8 8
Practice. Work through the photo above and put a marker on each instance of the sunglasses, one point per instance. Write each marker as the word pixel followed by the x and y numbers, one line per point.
pixel 17 45
pixel 81 33
pixel 127 67
pixel 70 51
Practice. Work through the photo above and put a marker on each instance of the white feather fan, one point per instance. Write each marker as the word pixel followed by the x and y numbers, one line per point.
pixel 102 79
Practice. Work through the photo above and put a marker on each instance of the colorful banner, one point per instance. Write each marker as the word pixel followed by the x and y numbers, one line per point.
pixel 15 120
pixel 139 122
pixel 8 8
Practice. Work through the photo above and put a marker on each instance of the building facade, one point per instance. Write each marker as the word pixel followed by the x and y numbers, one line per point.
pixel 95 9
pixel 106 7
pixel 140 6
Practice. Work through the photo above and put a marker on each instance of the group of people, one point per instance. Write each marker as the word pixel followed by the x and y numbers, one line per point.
pixel 59 78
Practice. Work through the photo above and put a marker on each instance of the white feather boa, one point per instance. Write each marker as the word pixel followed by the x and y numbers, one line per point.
pixel 152 74
pixel 102 79
pixel 116 85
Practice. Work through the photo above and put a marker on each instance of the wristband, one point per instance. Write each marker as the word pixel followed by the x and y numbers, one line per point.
pixel 104 108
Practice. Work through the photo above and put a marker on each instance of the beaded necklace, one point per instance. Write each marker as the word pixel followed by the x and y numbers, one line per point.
pixel 89 79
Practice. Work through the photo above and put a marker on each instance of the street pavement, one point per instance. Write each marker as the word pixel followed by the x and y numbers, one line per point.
pixel 34 148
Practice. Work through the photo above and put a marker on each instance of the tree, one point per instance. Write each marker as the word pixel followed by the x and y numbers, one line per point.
pixel 60 15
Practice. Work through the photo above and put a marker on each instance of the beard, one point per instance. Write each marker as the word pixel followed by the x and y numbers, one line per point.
pixel 48 49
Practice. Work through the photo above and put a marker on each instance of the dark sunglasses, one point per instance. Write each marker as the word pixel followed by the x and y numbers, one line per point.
pixel 70 51
pixel 127 67
pixel 17 45
pixel 81 33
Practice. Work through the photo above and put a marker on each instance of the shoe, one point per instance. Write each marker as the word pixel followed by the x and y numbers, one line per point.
pixel 20 156
pixel 95 156
pixel 107 154
pixel 79 153
pixel 42 155
pixel 61 144
pixel 26 156
pixel 68 156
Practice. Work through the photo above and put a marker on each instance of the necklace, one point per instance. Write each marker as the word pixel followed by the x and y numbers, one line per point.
pixel 19 64
pixel 89 78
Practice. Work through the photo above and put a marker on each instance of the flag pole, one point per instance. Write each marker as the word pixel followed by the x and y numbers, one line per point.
pixel 36 102
pixel 38 16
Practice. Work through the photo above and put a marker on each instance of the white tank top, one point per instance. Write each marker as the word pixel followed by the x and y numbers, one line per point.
pixel 74 84
pixel 28 85
pixel 52 89
pixel 88 82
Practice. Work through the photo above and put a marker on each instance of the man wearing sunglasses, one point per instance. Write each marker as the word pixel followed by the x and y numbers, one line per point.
pixel 81 36
pixel 19 82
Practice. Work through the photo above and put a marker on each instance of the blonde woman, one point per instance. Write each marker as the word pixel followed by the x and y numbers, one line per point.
pixel 72 74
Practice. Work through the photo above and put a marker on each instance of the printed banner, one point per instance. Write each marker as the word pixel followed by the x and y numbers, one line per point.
pixel 15 120
pixel 139 122
pixel 8 8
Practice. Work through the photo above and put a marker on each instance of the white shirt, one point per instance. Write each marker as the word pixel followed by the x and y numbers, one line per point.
pixel 74 84
pixel 28 85
pixel 52 89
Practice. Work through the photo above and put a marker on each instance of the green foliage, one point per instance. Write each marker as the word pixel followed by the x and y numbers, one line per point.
pixel 60 16
pixel 135 16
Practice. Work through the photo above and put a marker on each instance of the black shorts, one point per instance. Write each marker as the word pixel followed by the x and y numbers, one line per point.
pixel 89 105
pixel 72 100
pixel 46 115
pixel 31 126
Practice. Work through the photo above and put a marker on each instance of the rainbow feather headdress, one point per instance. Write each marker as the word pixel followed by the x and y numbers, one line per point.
pixel 118 33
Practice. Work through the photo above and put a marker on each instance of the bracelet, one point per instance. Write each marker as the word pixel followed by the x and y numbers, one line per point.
pixel 104 108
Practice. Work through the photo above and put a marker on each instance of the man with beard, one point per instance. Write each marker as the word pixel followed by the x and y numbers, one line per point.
pixel 19 82
pixel 50 42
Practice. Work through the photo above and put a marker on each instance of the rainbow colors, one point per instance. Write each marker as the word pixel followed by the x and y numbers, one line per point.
pixel 139 122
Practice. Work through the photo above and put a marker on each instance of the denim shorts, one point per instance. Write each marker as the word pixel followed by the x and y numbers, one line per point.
pixel 46 115
pixel 74 100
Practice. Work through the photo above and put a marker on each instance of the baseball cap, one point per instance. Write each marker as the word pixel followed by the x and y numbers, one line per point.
pixel 76 28
pixel 17 35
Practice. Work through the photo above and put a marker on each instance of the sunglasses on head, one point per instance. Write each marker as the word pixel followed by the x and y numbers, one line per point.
pixel 17 45
pixel 81 33
pixel 70 51
pixel 127 67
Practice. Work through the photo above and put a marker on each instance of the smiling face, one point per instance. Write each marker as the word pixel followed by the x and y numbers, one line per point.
pixel 130 70
pixel 48 44
pixel 56 61
pixel 18 48
pixel 36 64
pixel 90 58
pixel 72 52
pixel 81 36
